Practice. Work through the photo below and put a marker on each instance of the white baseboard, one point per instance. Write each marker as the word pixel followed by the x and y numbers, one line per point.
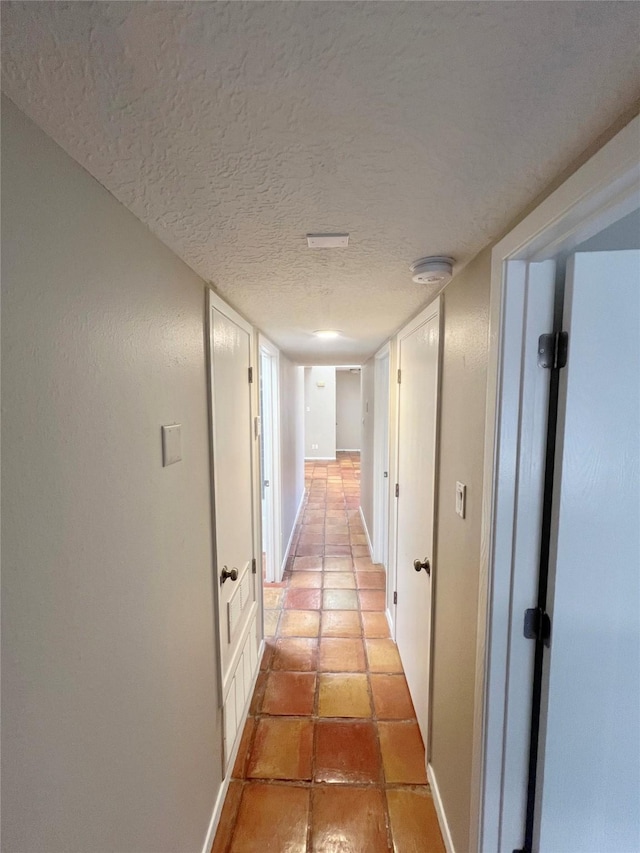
pixel 224 787
pixel 366 532
pixel 319 458
pixel 391 623
pixel 442 818
pixel 347 450
pixel 293 530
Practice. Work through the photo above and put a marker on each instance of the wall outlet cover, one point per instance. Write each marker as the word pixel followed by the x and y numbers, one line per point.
pixel 171 444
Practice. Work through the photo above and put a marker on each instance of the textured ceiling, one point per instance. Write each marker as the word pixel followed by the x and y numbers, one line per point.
pixel 233 129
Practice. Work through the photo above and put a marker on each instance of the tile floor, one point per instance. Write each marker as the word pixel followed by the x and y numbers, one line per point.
pixel 331 758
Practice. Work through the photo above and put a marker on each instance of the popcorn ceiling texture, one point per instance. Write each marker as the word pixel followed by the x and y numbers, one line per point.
pixel 232 129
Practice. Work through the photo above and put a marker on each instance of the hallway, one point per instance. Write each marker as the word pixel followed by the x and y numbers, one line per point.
pixel 331 758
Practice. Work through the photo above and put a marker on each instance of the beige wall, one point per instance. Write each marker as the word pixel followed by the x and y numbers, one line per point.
pixel 111 732
pixel 462 413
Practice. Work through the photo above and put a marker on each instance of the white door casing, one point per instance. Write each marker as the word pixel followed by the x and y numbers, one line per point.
pixel 602 191
pixel 233 455
pixel 270 443
pixel 418 346
pixel 589 771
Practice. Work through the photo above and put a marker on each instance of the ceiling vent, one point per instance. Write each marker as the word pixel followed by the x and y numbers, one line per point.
pixel 433 270
pixel 327 241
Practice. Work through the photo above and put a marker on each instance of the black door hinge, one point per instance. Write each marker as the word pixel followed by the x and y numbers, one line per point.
pixel 397 490
pixel 537 625
pixel 399 376
pixel 254 566
pixel 251 374
pixel 395 597
pixel 552 350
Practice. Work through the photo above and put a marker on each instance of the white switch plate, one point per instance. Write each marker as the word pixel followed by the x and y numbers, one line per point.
pixel 461 499
pixel 171 444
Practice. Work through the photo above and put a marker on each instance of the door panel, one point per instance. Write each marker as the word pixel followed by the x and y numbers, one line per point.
pixel 418 354
pixel 232 474
pixel 590 769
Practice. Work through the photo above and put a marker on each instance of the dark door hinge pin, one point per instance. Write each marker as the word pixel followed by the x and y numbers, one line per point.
pixel 254 566
pixel 397 490
pixel 537 625
pixel 552 350
pixel 399 376
pixel 251 374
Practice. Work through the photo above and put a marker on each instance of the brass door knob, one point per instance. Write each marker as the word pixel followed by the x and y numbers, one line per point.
pixel 425 564
pixel 232 574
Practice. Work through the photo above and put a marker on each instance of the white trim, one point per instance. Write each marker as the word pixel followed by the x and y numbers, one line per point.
pixel 287 551
pixel 348 449
pixel 224 785
pixel 319 458
pixel 381 458
pixel 603 190
pixel 366 532
pixel 439 807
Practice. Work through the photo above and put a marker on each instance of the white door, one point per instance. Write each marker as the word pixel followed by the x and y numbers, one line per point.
pixel 418 353
pixel 266 467
pixel 232 438
pixel 381 461
pixel 590 769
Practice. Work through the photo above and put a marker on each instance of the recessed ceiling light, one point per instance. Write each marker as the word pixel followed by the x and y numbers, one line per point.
pixel 434 270
pixel 327 241
pixel 327 333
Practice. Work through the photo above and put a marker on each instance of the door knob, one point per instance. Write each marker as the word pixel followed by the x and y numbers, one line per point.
pixel 228 573
pixel 425 564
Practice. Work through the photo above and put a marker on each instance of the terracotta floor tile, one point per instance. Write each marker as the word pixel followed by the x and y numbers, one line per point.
pixel 339 599
pixel 339 580
pixel 343 696
pixel 402 753
pixel 341 623
pixel 346 752
pixel 371 580
pixel 267 656
pixel 305 580
pixel 340 514
pixel 372 599
pixel 383 656
pixel 272 598
pixel 303 599
pixel 303 550
pixel 414 824
pixel 299 623
pixel 375 625
pixel 348 820
pixel 307 564
pixel 271 618
pixel 240 765
pixel 338 564
pixel 295 654
pixel 282 749
pixel 391 697
pixel 313 527
pixel 310 539
pixel 227 818
pixel 337 539
pixel 358 539
pixel 258 693
pixel 341 655
pixel 289 694
pixel 337 550
pixel 364 564
pixel 360 551
pixel 272 817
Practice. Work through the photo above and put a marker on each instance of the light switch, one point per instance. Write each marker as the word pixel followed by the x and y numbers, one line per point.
pixel 461 499
pixel 171 444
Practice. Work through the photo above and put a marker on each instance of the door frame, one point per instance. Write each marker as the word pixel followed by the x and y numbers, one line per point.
pixel 273 353
pixel 603 190
pixel 381 458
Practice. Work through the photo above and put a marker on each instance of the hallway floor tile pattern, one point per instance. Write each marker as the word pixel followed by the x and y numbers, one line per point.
pixel 331 758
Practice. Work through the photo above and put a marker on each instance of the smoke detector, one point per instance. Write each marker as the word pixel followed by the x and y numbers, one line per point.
pixel 433 270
